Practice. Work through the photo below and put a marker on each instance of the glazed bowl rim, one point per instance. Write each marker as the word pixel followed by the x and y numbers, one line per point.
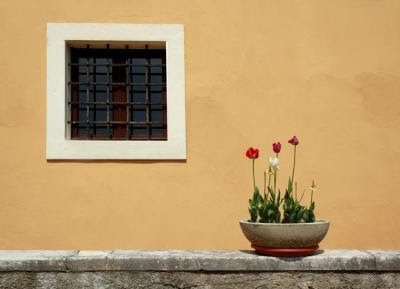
pixel 317 222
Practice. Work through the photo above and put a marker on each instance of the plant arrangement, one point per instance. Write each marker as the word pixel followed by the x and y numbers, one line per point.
pixel 273 206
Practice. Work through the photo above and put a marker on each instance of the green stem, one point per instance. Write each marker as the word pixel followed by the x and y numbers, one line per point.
pixel 269 177
pixel 302 195
pixel 294 163
pixel 312 191
pixel 275 173
pixel 265 182
pixel 254 178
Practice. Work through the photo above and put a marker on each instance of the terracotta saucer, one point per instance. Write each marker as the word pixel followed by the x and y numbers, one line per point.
pixel 285 252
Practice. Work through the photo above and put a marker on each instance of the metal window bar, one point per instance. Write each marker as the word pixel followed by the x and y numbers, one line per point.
pixel 94 94
pixel 121 83
pixel 87 97
pixel 147 80
pixel 164 98
pixel 128 106
pixel 117 64
pixel 109 132
pixel 92 105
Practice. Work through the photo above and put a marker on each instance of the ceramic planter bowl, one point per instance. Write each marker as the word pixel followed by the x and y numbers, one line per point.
pixel 285 239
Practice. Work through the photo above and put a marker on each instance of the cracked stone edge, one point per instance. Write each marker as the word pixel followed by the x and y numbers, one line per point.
pixel 195 261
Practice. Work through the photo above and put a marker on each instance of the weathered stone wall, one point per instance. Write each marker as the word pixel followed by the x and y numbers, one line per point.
pixel 132 279
pixel 197 269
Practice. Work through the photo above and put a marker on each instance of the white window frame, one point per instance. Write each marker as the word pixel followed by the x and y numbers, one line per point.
pixel 60 146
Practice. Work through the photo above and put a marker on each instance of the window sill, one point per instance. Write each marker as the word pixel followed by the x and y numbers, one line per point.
pixel 117 150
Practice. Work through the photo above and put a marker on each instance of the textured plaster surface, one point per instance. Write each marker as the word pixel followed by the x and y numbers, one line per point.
pixel 256 72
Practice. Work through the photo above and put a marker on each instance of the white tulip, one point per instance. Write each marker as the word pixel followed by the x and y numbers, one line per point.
pixel 274 162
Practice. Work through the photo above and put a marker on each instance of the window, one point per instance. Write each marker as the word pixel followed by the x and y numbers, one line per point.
pixel 115 91
pixel 118 93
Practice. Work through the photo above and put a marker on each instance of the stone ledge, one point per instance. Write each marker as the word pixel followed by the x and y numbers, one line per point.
pixel 199 260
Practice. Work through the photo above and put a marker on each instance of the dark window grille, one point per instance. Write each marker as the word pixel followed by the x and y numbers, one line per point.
pixel 118 94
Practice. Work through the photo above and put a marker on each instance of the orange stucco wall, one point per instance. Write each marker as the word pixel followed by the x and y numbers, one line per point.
pixel 256 72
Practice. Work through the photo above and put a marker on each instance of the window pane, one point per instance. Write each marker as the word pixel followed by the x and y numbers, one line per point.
pixel 139 69
pixel 156 69
pixel 100 113
pixel 138 96
pixel 156 97
pixel 139 132
pixel 156 61
pixel 139 61
pixel 83 69
pixel 156 116
pixel 156 79
pixel 101 69
pixel 101 131
pixel 133 99
pixel 101 78
pixel 138 88
pixel 156 88
pixel 139 115
pixel 157 132
pixel 101 61
pixel 138 78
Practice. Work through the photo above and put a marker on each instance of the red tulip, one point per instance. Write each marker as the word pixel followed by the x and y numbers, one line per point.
pixel 276 147
pixel 252 153
pixel 294 141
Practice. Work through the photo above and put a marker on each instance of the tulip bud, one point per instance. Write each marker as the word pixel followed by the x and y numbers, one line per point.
pixel 276 147
pixel 294 141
